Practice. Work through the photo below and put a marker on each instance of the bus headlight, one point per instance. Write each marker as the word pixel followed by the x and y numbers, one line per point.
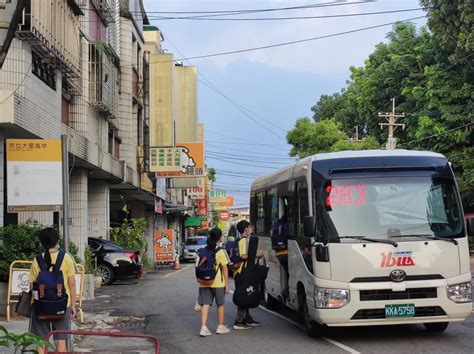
pixel 460 293
pixel 330 298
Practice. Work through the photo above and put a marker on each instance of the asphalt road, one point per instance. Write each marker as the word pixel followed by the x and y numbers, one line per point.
pixel 163 305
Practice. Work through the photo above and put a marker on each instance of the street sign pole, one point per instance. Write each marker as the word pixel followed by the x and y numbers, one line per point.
pixel 65 170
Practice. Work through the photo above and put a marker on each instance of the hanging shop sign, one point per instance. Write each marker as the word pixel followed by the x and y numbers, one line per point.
pixel 32 163
pixel 203 207
pixel 158 206
pixel 217 196
pixel 160 188
pixel 164 246
pixel 229 202
pixel 197 192
pixel 183 160
pixel 146 183
pixel 193 221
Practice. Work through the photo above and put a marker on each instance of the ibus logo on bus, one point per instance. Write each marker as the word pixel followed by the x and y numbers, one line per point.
pixel 399 259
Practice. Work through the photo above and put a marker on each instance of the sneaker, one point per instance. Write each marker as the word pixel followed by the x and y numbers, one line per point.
pixel 252 323
pixel 241 325
pixel 205 332
pixel 222 329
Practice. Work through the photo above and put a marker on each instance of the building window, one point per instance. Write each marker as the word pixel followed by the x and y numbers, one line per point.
pixel 65 109
pixel 117 142
pixel 134 53
pixel 43 70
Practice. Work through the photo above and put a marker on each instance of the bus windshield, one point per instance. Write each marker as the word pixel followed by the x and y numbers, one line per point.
pixel 388 207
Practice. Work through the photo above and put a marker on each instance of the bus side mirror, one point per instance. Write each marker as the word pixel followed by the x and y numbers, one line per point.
pixel 309 226
pixel 470 225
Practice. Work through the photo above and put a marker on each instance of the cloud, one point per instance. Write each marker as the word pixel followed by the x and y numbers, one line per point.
pixel 325 56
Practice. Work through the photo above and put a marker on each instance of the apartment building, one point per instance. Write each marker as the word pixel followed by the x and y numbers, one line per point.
pixel 77 68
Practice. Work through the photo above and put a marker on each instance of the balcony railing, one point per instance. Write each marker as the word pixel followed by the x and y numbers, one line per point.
pixel 53 31
pixel 103 88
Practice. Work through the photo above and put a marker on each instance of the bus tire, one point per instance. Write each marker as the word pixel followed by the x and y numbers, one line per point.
pixel 436 327
pixel 312 328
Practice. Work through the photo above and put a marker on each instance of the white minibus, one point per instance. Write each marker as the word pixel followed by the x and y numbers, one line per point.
pixel 374 237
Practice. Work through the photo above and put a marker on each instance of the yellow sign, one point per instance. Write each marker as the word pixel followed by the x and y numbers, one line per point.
pixel 184 160
pixel 33 150
pixel 34 175
pixel 146 183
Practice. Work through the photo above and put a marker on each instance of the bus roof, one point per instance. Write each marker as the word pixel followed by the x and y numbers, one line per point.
pixel 300 167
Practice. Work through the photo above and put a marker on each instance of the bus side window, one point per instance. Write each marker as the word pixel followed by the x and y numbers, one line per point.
pixel 260 213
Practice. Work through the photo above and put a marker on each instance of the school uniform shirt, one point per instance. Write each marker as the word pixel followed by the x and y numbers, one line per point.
pixel 243 249
pixel 222 260
pixel 68 268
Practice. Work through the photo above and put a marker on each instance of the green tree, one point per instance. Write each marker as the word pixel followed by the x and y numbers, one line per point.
pixel 429 72
pixel 211 174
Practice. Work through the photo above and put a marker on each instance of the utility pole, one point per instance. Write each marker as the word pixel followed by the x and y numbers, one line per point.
pixel 392 125
pixel 65 158
pixel 357 140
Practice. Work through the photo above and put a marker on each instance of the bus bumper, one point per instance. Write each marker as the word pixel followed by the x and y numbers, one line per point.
pixel 358 312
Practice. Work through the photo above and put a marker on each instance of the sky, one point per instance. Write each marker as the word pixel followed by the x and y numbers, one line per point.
pixel 249 100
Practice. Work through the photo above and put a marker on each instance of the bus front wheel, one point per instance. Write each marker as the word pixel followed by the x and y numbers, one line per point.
pixel 436 326
pixel 312 328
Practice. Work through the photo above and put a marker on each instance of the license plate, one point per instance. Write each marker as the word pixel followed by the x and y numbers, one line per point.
pixel 405 310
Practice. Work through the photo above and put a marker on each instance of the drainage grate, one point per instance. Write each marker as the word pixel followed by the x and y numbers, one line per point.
pixel 136 324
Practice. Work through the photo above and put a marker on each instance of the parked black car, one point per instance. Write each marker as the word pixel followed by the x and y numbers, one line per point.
pixel 115 262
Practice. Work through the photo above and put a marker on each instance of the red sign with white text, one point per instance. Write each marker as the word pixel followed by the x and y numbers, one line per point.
pixel 202 207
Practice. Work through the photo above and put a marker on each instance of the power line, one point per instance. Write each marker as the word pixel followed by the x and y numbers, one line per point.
pixel 229 143
pixel 240 109
pixel 253 157
pixel 241 106
pixel 235 137
pixel 439 134
pixel 233 102
pixel 298 41
pixel 208 18
pixel 18 87
pixel 242 163
pixel 233 149
pixel 233 12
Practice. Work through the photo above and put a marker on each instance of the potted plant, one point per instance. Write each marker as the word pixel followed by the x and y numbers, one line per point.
pixel 90 266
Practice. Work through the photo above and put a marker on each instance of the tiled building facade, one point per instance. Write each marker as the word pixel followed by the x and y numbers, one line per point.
pixel 87 82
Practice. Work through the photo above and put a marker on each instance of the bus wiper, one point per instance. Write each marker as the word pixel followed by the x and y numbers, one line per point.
pixel 363 238
pixel 431 237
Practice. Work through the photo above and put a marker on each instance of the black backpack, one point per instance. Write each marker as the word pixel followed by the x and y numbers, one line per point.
pixel 52 297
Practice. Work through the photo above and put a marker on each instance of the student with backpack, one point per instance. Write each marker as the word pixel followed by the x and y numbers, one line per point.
pixel 53 284
pixel 244 320
pixel 212 276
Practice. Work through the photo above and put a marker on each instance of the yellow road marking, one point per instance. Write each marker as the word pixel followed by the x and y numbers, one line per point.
pixel 176 272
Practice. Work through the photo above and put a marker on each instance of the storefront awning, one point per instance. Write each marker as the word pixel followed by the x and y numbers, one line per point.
pixel 175 208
